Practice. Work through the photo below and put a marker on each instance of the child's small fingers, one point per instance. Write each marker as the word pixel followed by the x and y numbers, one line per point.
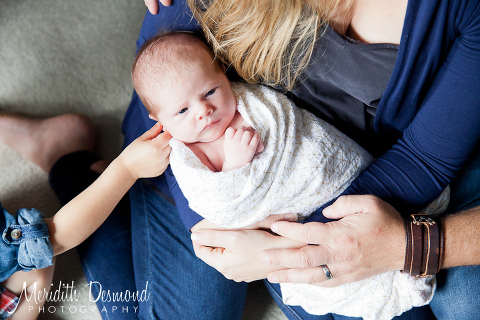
pixel 167 149
pixel 153 132
pixel 164 137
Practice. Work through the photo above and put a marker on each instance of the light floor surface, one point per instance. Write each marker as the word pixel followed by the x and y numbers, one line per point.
pixel 73 56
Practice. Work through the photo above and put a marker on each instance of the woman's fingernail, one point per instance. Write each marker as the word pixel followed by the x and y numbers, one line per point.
pixel 195 236
pixel 273 227
pixel 272 279
pixel 327 210
pixel 264 258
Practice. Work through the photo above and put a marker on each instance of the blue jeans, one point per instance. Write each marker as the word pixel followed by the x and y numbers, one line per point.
pixel 458 289
pixel 151 254
pixel 182 286
pixel 106 256
pixel 159 252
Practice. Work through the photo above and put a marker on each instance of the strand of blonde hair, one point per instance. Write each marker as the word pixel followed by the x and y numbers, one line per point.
pixel 268 41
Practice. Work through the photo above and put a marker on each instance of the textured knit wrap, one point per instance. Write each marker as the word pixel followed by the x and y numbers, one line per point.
pixel 305 163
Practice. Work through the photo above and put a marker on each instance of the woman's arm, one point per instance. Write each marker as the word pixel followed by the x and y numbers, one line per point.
pixel 431 104
pixel 462 243
pixel 153 5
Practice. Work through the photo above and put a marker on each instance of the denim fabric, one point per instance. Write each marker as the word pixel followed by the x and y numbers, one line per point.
pixel 106 256
pixel 182 286
pixel 458 289
pixel 32 248
pixel 177 284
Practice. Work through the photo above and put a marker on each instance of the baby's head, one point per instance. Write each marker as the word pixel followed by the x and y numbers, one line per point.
pixel 184 87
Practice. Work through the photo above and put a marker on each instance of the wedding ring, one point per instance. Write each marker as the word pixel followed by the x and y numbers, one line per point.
pixel 327 272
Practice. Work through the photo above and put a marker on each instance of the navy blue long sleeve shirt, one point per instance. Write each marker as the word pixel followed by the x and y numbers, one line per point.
pixel 429 112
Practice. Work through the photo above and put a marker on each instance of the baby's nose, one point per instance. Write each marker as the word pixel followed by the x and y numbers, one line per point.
pixel 203 111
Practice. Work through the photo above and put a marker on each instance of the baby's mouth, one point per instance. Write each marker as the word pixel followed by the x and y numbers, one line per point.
pixel 211 124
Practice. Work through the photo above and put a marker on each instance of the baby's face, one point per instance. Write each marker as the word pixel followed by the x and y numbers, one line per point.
pixel 198 106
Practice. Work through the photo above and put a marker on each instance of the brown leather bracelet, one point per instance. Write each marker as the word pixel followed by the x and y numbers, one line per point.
pixel 417 249
pixel 424 245
pixel 432 242
pixel 408 241
pixel 441 249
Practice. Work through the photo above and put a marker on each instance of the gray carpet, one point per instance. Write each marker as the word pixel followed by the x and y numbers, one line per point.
pixel 73 56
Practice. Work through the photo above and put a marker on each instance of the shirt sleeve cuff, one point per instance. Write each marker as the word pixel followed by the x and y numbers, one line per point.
pixel 29 232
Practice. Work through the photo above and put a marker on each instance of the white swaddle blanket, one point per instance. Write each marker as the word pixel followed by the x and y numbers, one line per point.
pixel 305 163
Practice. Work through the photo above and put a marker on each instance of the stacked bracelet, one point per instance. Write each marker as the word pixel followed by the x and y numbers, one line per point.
pixel 424 237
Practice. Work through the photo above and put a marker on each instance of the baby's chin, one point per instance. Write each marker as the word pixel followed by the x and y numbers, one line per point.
pixel 206 140
pixel 212 139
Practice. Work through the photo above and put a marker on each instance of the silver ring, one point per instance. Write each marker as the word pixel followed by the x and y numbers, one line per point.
pixel 327 272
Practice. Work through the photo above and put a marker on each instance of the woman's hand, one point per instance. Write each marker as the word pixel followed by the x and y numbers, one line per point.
pixel 235 253
pixel 368 239
pixel 152 5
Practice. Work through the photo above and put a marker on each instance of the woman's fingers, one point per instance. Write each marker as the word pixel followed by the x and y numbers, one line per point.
pixel 306 257
pixel 267 222
pixel 166 3
pixel 235 253
pixel 315 276
pixel 152 6
pixel 309 276
pixel 352 204
pixel 213 238
pixel 310 233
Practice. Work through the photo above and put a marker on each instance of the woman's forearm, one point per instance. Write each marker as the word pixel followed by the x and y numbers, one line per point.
pixel 79 218
pixel 461 238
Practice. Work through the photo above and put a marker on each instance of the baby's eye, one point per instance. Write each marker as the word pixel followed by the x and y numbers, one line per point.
pixel 183 110
pixel 209 93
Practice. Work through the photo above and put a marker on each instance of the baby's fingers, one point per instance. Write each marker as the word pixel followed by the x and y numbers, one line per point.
pixel 255 140
pixel 230 133
pixel 247 137
pixel 238 134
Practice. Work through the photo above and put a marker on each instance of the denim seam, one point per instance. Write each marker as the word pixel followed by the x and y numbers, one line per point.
pixel 18 242
pixel 279 298
pixel 86 266
pixel 150 306
pixel 24 228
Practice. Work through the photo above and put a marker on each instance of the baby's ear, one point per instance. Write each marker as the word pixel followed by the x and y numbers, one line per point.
pixel 152 117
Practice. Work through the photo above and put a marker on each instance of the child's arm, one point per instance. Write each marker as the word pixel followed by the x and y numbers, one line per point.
pixel 240 147
pixel 147 156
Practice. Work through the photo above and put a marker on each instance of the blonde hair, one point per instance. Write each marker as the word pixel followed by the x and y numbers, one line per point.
pixel 164 56
pixel 269 41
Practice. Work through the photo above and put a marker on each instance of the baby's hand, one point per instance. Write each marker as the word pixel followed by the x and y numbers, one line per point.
pixel 240 146
pixel 148 155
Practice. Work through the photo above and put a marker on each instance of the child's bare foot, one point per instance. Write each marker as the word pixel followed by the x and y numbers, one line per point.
pixel 44 141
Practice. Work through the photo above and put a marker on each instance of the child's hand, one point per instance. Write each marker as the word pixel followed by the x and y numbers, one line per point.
pixel 148 155
pixel 240 146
